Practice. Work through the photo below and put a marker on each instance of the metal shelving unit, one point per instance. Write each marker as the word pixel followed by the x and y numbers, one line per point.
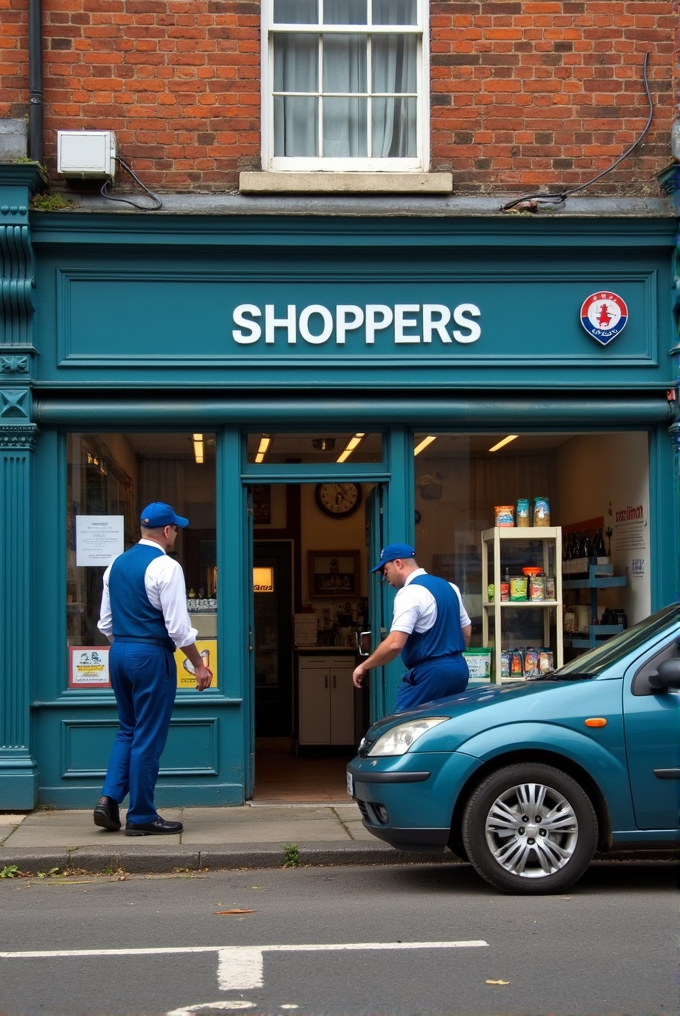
pixel 600 576
pixel 495 538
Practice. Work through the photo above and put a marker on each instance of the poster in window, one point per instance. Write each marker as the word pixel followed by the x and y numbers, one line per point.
pixel 88 667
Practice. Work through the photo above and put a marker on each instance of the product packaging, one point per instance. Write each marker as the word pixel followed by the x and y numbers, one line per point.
pixel 504 515
pixel 541 511
pixel 523 511
pixel 518 587
pixel 531 662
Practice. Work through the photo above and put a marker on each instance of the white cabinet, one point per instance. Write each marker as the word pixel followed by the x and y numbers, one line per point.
pixel 326 700
pixel 492 544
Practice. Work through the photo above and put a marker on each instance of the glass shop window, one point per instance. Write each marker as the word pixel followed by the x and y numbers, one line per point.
pixel 110 479
pixel 595 488
pixel 346 84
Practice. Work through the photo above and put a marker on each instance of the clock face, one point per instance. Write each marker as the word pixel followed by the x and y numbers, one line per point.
pixel 339 500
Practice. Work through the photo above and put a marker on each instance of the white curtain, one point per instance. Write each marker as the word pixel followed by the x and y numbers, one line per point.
pixel 297 58
pixel 394 119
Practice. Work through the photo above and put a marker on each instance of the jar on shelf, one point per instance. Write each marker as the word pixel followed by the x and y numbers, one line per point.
pixel 541 511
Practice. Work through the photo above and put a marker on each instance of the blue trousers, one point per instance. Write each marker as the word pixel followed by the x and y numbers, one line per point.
pixel 432 680
pixel 144 681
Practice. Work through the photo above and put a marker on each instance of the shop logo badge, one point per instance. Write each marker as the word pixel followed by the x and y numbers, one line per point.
pixel 604 316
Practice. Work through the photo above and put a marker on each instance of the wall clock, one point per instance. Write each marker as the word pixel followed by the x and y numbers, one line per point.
pixel 338 500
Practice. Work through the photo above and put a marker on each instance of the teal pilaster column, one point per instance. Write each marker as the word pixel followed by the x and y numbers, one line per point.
pixel 18 771
pixel 398 527
pixel 18 435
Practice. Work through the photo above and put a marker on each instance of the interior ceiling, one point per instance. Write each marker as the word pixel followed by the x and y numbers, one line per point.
pixel 299 446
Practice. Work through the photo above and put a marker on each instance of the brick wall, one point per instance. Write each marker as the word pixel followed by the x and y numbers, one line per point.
pixel 523 93
pixel 547 92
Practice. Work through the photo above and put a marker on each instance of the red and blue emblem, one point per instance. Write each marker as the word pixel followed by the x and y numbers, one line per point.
pixel 604 316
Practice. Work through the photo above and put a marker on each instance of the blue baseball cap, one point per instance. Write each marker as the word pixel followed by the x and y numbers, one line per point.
pixel 157 515
pixel 393 551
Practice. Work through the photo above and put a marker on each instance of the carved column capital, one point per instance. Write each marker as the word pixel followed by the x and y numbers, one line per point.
pixel 18 438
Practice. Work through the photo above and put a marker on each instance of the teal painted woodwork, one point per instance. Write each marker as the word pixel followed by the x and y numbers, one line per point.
pixel 133 317
pixel 164 302
pixel 470 411
pixel 18 776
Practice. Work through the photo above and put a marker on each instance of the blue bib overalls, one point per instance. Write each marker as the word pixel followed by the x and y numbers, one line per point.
pixel 434 658
pixel 144 681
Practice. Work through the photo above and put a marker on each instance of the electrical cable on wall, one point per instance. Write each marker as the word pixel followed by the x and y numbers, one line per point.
pixel 128 201
pixel 563 195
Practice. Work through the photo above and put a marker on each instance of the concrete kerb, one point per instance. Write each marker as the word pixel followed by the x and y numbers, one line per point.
pixel 157 858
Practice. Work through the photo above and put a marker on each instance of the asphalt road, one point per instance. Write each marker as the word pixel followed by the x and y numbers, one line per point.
pixel 449 944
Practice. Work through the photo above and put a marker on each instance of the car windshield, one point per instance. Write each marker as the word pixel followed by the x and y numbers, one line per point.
pixel 597 660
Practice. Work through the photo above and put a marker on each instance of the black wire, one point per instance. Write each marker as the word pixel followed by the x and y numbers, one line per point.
pixel 563 195
pixel 128 201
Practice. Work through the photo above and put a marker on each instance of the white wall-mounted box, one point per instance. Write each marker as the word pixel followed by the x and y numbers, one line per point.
pixel 85 155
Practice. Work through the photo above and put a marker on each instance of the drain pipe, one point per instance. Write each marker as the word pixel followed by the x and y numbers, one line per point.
pixel 35 81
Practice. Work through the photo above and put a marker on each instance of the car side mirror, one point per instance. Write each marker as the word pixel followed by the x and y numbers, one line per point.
pixel 666 676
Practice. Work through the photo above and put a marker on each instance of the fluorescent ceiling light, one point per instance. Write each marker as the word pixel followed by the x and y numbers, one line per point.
pixel 265 441
pixel 198 448
pixel 353 443
pixel 506 440
pixel 423 444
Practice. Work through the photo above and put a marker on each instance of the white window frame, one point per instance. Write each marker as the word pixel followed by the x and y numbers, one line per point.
pixel 272 163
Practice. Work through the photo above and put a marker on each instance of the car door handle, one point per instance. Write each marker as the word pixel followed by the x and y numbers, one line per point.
pixel 667 774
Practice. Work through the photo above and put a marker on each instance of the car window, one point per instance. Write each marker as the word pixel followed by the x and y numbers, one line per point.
pixel 641 685
pixel 617 648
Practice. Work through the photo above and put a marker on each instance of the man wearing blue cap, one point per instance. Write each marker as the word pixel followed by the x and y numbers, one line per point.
pixel 430 628
pixel 144 616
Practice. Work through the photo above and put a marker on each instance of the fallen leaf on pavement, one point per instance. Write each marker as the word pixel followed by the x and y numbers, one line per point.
pixel 235 911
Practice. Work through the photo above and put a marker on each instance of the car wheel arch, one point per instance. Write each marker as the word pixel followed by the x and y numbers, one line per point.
pixel 565 765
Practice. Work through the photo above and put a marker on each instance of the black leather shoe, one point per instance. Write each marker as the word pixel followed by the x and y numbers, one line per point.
pixel 159 827
pixel 106 814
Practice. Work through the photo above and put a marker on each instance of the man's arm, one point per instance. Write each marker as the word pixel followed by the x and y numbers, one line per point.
pixel 467 632
pixel 203 674
pixel 105 623
pixel 172 593
pixel 384 654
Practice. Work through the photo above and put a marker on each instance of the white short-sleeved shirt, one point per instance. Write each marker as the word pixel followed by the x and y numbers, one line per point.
pixel 166 589
pixel 415 608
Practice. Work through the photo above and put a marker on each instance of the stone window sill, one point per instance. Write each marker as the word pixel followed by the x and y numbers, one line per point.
pixel 345 183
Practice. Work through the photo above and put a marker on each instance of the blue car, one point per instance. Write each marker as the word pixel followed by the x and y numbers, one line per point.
pixel 528 780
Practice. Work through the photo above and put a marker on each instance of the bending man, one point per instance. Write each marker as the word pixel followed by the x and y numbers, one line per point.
pixel 430 628
pixel 144 616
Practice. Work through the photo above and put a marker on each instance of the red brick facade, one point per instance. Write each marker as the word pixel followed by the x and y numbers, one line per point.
pixel 522 93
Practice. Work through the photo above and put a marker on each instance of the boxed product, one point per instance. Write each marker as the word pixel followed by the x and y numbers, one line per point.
pixel 479 662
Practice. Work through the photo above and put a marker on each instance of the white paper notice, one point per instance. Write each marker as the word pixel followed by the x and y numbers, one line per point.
pixel 99 538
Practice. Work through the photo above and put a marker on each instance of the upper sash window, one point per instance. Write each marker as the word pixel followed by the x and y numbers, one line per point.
pixel 343 85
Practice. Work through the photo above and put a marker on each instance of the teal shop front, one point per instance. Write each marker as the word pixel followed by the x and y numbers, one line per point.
pixel 228 362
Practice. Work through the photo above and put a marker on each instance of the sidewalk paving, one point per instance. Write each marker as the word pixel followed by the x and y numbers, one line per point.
pixel 253 836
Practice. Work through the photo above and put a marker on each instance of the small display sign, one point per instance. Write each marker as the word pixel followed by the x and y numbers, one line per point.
pixel 88 667
pixel 185 669
pixel 604 316
pixel 99 539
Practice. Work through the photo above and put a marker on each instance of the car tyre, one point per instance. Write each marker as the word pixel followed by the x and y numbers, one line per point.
pixel 530 829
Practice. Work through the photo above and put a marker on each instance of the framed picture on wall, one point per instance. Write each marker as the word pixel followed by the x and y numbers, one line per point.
pixel 334 572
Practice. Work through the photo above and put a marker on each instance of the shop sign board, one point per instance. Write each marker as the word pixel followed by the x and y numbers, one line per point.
pixel 99 539
pixel 420 317
pixel 88 667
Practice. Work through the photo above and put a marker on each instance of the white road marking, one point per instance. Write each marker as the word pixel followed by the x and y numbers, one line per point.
pixel 240 967
pixel 189 1010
